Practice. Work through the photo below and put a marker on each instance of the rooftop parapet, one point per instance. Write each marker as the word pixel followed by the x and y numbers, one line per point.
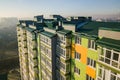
pixel 58 17
pixel 79 18
pixel 112 33
pixel 92 28
pixel 39 18
pixel 36 25
pixel 25 22
pixel 53 24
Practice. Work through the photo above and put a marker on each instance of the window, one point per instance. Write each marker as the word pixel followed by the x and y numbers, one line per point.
pixel 65 67
pixel 113 76
pixel 115 56
pixel 42 48
pixel 61 51
pixel 49 65
pixel 89 77
pixel 92 45
pixel 45 39
pixel 48 52
pixel 100 72
pixel 59 76
pixel 103 72
pixel 110 57
pixel 61 39
pixel 60 65
pixel 78 40
pixel 42 37
pixel 49 41
pixel 91 62
pixel 77 56
pixel 77 70
pixel 108 54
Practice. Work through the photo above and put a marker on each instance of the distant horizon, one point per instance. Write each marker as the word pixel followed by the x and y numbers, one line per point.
pixel 47 16
pixel 30 8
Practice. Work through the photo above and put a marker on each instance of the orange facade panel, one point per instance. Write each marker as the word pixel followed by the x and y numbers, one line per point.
pixel 91 72
pixel 83 52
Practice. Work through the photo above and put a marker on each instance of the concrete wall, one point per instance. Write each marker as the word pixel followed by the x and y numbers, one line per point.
pixel 69 27
pixel 109 34
pixel 49 30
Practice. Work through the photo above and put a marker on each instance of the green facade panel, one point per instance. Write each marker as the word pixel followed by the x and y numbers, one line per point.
pixel 81 66
pixel 93 54
pixel 84 42
pixel 39 60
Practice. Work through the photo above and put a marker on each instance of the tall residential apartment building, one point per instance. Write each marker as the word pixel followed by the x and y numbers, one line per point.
pixel 74 48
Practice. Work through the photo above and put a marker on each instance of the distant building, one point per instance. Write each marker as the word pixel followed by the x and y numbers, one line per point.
pixel 74 49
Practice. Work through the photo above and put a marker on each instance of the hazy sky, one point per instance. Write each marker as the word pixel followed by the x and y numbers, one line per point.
pixel 30 8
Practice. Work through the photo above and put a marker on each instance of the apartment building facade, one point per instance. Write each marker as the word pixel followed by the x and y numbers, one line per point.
pixel 23 54
pixel 74 49
pixel 109 54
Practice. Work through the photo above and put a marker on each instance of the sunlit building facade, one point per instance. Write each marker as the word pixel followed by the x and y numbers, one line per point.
pixel 75 48
pixel 22 48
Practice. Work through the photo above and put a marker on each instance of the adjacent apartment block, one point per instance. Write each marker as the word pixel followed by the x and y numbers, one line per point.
pixel 74 48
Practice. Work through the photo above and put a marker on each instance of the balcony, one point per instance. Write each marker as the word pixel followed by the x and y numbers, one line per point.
pixel 33 63
pixel 63 52
pixel 49 76
pixel 60 76
pixel 66 42
pixel 48 54
pixel 63 67
pixel 109 58
pixel 19 40
pixel 18 35
pixel 34 54
pixel 24 50
pixel 33 45
pixel 43 73
pixel 24 44
pixel 49 65
pixel 18 29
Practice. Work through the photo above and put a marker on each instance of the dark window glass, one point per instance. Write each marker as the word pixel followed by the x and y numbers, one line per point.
pixel 88 61
pixel 94 63
pixel 95 47
pixel 115 56
pixel 93 44
pixel 89 43
pixel 113 77
pixel 107 61
pixel 108 54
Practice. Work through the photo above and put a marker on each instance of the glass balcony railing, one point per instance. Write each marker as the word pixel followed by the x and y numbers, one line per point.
pixel 67 42
pixel 64 67
pixel 64 53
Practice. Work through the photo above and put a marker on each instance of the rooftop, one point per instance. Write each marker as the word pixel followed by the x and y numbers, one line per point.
pixel 71 22
pixel 110 43
pixel 64 32
pixel 92 28
pixel 48 34
pixel 30 29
